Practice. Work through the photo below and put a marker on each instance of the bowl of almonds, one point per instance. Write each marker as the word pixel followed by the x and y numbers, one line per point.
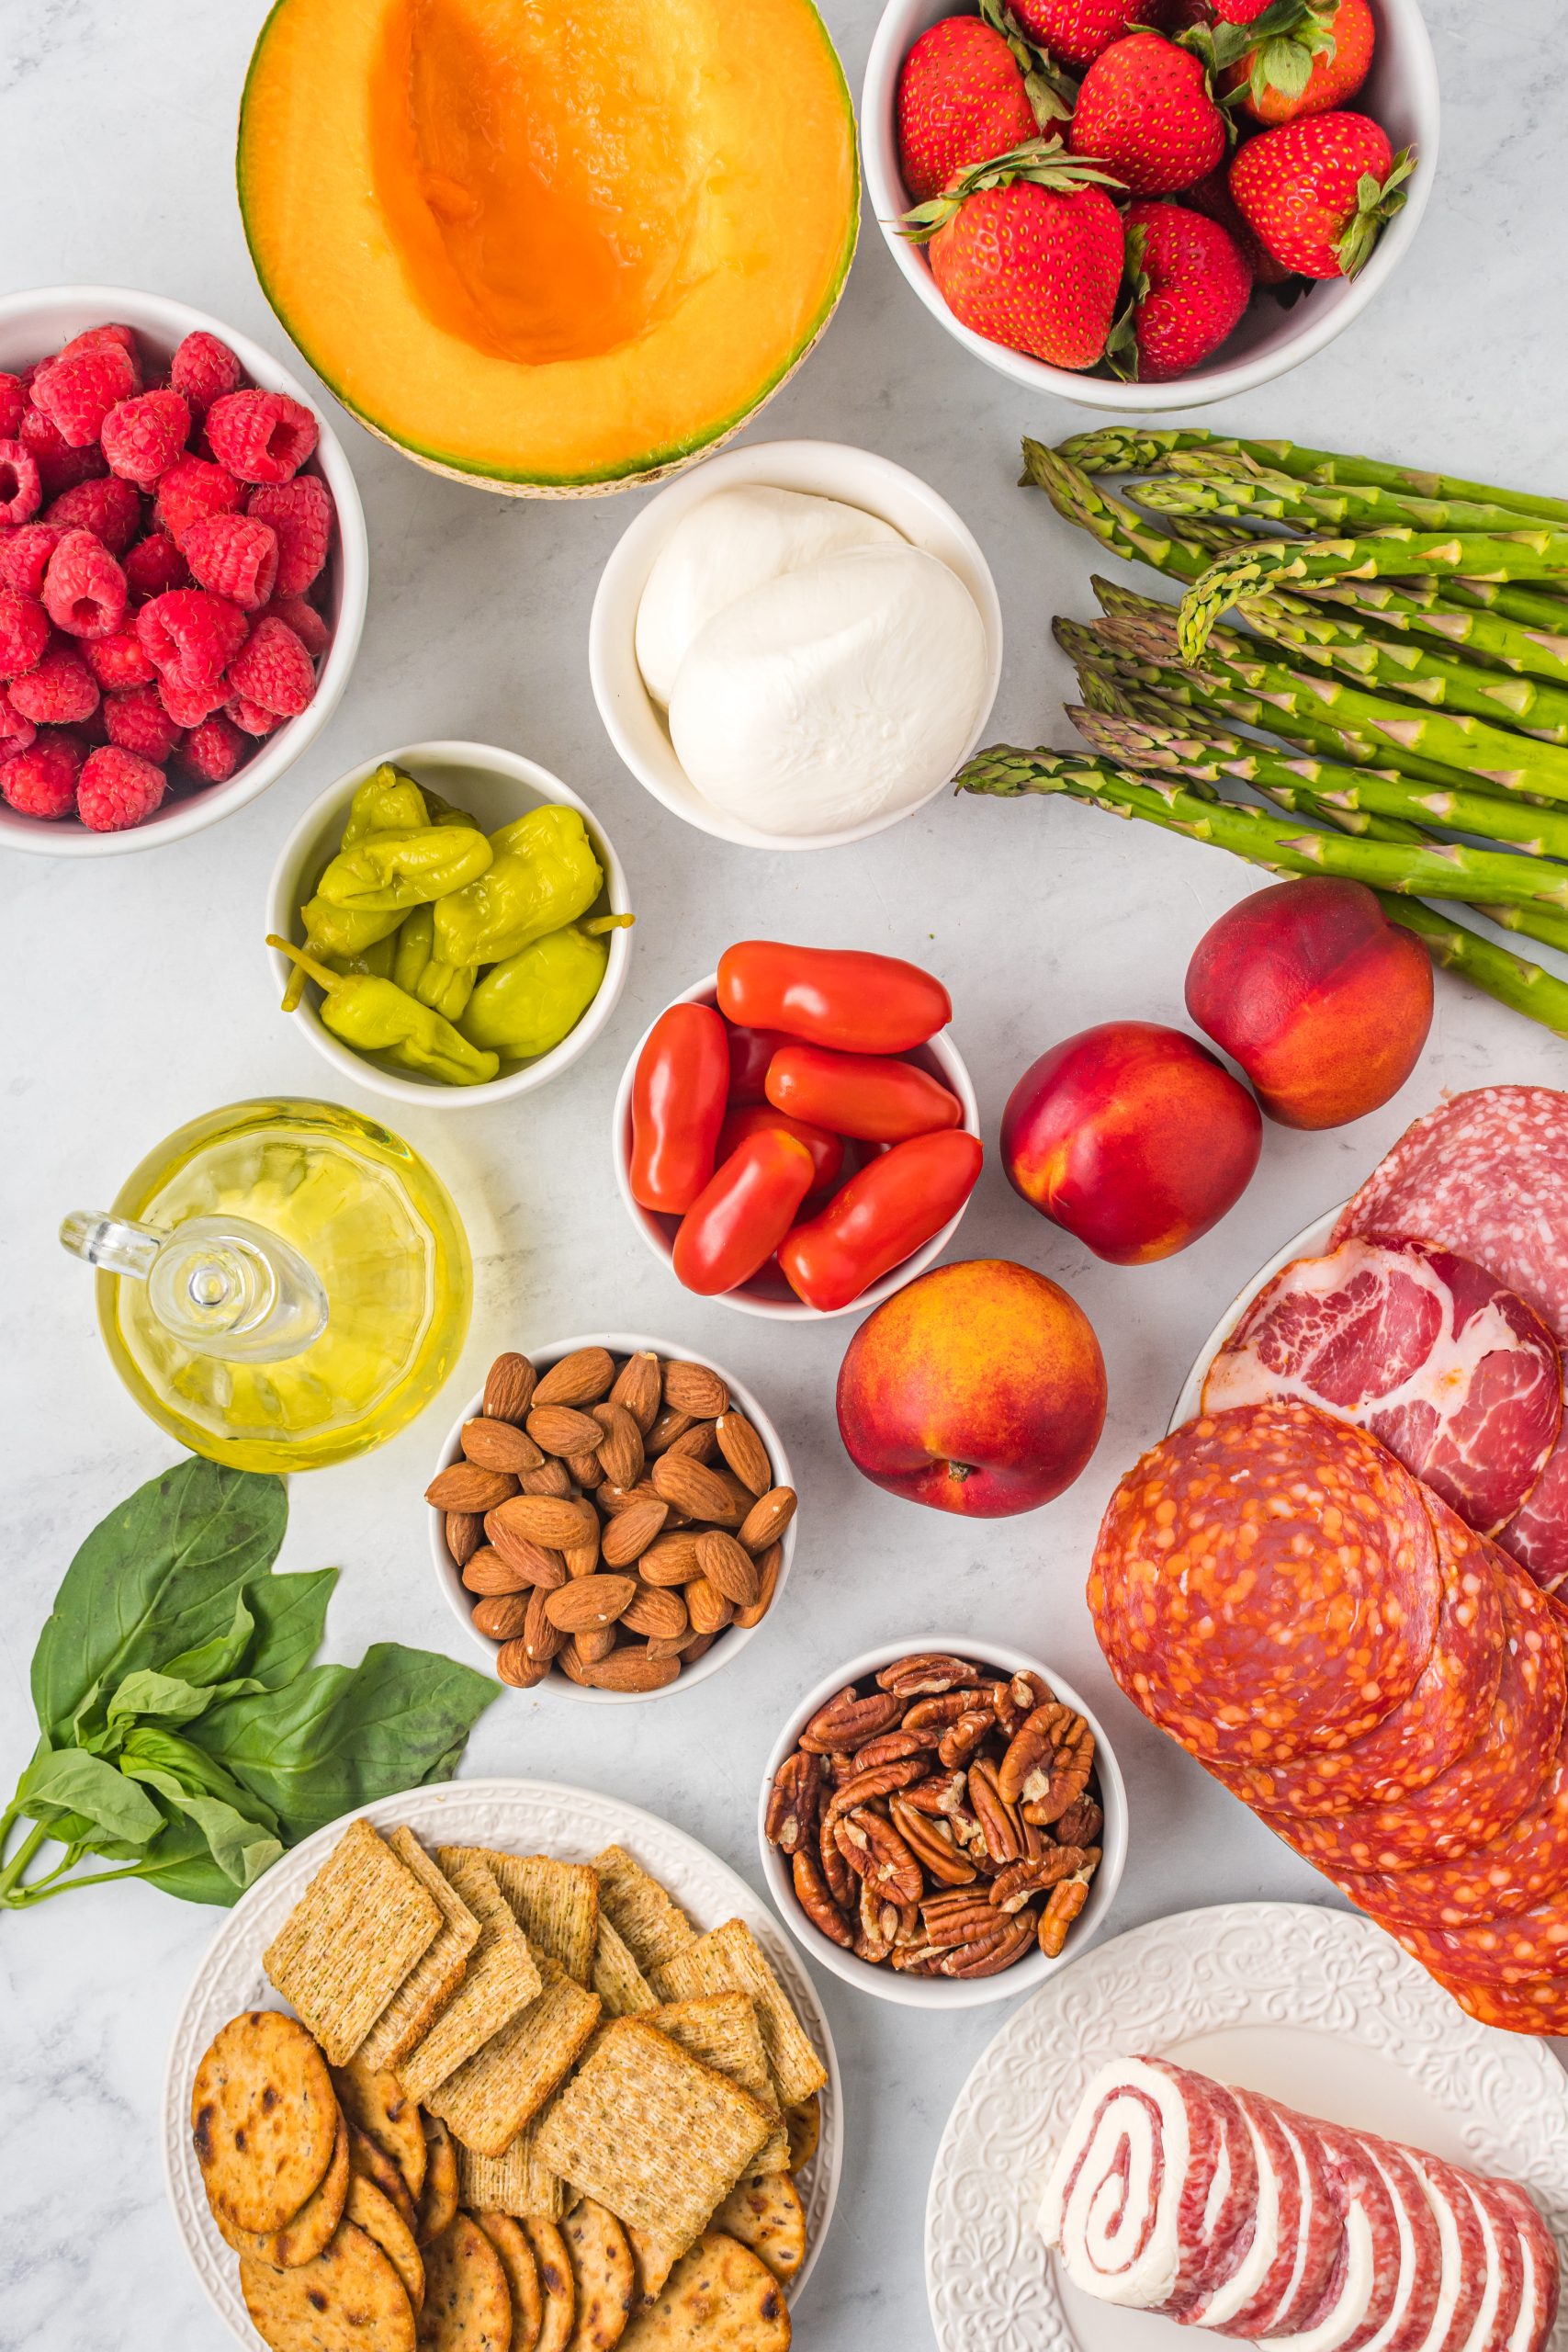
pixel 943 1827
pixel 612 1518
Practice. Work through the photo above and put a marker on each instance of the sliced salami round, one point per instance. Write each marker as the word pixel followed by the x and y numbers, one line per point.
pixel 1431 1729
pixel 1537 1538
pixel 1526 1950
pixel 1409 2321
pixel 1513 1873
pixel 1539 2287
pixel 1312 2226
pixel 1538 2008
pixel 1448 1368
pixel 1462 2254
pixel 1494 1782
pixel 1265 1583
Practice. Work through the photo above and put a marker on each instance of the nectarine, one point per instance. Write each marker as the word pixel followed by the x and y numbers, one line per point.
pixel 1323 1001
pixel 978 1388
pixel 1133 1136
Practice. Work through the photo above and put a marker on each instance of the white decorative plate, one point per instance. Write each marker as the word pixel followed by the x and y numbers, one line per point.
pixel 528 1817
pixel 1313 2006
pixel 1311 1242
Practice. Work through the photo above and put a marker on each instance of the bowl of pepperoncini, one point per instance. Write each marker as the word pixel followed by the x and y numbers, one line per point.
pixel 449 919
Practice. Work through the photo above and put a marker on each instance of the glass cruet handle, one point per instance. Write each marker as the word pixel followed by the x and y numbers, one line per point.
pixel 223 1285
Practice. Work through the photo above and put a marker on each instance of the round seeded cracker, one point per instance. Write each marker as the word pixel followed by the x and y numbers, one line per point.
pixel 311 2230
pixel 264 2119
pixel 603 2274
pixel 467 2302
pixel 367 2162
pixel 763 2211
pixel 804 2123
pixel 374 2212
pixel 439 2201
pixel 507 2235
pixel 556 2284
pixel 377 2102
pixel 718 2297
pixel 348 2297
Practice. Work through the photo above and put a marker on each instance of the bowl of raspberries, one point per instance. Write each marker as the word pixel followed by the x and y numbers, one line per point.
pixel 1149 204
pixel 182 571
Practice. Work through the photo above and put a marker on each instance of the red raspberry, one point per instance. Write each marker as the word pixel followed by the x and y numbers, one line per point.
pixel 119 661
pixel 103 339
pixel 304 620
pixel 13 404
pixel 24 557
pixel 215 749
pixel 300 511
pixel 21 490
pixel 261 437
pixel 111 509
pixel 191 490
pixel 251 716
pixel 78 390
pixel 188 705
pixel 235 557
pixel 204 369
pixel 41 782
pixel 274 670
pixel 142 437
pixel 24 634
pixel 137 722
pixel 58 690
pixel 191 635
pixel 85 591
pixel 155 564
pixel 58 467
pixel 116 790
pixel 15 732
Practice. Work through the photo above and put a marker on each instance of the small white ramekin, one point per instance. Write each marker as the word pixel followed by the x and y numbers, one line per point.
pixel 32 324
pixel 940 1056
pixel 826 470
pixel 1402 93
pixel 495 786
pixel 734 1639
pixel 945 1992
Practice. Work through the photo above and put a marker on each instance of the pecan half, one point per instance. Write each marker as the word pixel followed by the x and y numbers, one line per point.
pixel 925 1673
pixel 999 1824
pixel 836 1872
pixel 960 1740
pixel 1032 1743
pixel 1050 1789
pixel 878 1926
pixel 932 1844
pixel 945 1796
pixel 794 1803
pixel 1081 1824
pixel 1022 1881
pixel 812 1894
pixel 934 1715
pixel 948 1925
pixel 989 1956
pixel 864 1787
pixel 876 1852
pixel 1066 1902
pixel 848 1721
pixel 894 1747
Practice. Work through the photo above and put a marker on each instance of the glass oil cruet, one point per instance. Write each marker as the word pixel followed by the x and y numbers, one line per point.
pixel 281 1285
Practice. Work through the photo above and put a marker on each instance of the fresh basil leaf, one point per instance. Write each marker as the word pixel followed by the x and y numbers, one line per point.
pixel 341 1736
pixel 290 1615
pixel 67 1785
pixel 181 1863
pixel 218 1659
pixel 239 1846
pixel 147 1692
pixel 149 1750
pixel 156 1580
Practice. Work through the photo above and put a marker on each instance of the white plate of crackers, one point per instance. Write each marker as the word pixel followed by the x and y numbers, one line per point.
pixel 502 2066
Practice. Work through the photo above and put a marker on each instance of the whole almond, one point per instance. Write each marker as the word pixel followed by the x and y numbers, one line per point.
pixel 587 1471
pixel 562 1429
pixel 672 1560
pixel 698 1647
pixel 465 1534
pixel 571 1664
pixel 488 1572
pixel 581 1559
pixel 535 1562
pixel 496 1445
pixel 768 1568
pixel 620 1448
pixel 509 1389
pixel 591 1600
pixel 612 1499
pixel 657 1613
pixel 692 1487
pixel 515 1666
pixel 744 1452
pixel 500 1617
pixel 556 1524
pixel 463 1485
pixel 692 1388
pixel 639 1386
pixel 629 1534
pixel 551 1477
pixel 767 1518
pixel 544 1640
pixel 593 1642
pixel 668 1645
pixel 632 1670
pixel 706 1607
pixel 728 1566
pixel 696 1444
pixel 581 1378
pixel 668 1425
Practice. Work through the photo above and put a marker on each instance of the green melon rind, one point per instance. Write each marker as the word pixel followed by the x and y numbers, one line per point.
pixel 633 473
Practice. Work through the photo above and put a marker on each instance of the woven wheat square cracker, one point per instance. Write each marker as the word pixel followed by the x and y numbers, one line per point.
pixel 556 1905
pixel 618 1981
pixel 502 1977
pixel 650 2132
pixel 485 2102
pixel 428 1988
pixel 351 1940
pixel 722 2031
pixel 652 1927
pixel 730 1960
pixel 515 2182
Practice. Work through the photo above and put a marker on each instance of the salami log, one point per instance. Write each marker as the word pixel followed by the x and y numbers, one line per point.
pixel 1433 1727
pixel 1267 1583
pixel 1513 1873
pixel 1539 2285
pixel 1374 2268
pixel 1448 1368
pixel 1461 2255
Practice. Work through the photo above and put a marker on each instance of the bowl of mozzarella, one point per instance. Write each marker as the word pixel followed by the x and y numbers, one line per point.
pixel 795 645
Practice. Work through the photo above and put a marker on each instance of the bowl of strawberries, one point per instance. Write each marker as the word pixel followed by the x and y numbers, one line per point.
pixel 182 571
pixel 1149 204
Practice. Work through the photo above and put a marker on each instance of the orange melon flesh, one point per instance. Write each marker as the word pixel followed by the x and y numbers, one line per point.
pixel 555 242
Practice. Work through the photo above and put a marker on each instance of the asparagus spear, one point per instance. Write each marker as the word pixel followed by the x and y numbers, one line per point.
pixel 1185 555
pixel 1514 981
pixel 1417 607
pixel 1264 564
pixel 1277 498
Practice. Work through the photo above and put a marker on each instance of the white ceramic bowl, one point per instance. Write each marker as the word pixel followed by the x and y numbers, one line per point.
pixel 942 1992
pixel 734 1639
pixel 828 469
pixel 495 786
pixel 34 323
pixel 1401 93
pixel 765 1295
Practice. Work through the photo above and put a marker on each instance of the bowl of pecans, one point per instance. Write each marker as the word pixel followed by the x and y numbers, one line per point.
pixel 612 1518
pixel 943 1830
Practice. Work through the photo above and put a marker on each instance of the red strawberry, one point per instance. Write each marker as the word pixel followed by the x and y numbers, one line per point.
pixel 1028 253
pixel 1145 113
pixel 1077 31
pixel 961 100
pixel 1241 12
pixel 1316 58
pixel 1192 286
pixel 1319 191
pixel 1214 198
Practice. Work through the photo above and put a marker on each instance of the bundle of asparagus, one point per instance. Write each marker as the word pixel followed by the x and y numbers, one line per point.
pixel 1402 677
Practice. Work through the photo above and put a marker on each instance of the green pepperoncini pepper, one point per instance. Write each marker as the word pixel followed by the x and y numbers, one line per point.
pixel 544 873
pixel 376 1016
pixel 531 1001
pixel 388 873
pixel 446 988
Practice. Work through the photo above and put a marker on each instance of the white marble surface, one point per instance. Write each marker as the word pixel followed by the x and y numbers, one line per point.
pixel 136 995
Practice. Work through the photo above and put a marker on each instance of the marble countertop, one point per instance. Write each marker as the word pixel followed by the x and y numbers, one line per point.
pixel 138 995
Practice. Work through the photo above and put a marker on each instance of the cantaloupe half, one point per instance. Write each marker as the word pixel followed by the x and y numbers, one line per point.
pixel 551 246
